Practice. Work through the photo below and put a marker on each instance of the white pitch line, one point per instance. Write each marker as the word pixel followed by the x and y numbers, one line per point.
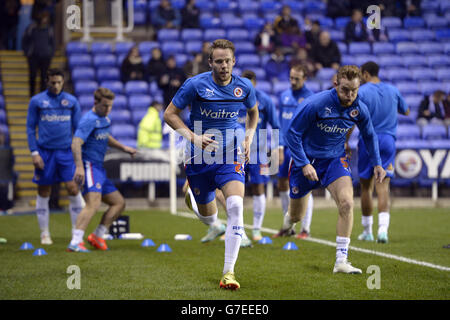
pixel 333 244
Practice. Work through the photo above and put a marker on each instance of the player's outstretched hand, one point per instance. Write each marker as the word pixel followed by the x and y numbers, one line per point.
pixel 38 162
pixel 310 173
pixel 206 142
pixel 129 150
pixel 79 175
pixel 379 174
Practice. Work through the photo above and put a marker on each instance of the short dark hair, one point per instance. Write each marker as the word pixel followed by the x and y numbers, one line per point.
pixel 221 44
pixel 103 93
pixel 371 67
pixel 249 74
pixel 54 72
pixel 299 67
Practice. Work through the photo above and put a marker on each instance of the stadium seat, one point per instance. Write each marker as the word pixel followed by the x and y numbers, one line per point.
pixel 280 86
pixel 178 4
pixel 436 22
pixel 2 116
pixel 248 7
pixel 80 60
pixel 311 6
pixel 414 61
pixel 238 35
pixel 113 85
pixel 314 86
pixel 141 101
pixel 253 22
pixel 413 22
pixel 341 22
pixel 205 5
pixel 209 21
pixel 120 102
pixel 327 23
pixel 104 60
pixel 269 6
pixel 383 48
pixel 104 74
pixel 342 47
pixel 193 46
pixel 428 87
pixel 397 74
pixel 226 7
pixel 192 35
pixel 83 73
pixel 337 35
pixel 443 35
pixel 181 59
pixel 137 115
pixel 172 48
pixel 101 47
pixel 244 47
pixel 140 17
pixel 443 74
pixel 409 119
pixel 136 87
pixel 146 47
pixel 2 102
pixel 423 35
pixel 119 131
pixel 391 22
pixel 120 116
pixel 431 48
pixel 429 6
pixel 85 87
pixel 399 35
pixel 325 74
pixel 387 61
pixel 347 59
pixel 360 59
pixel 423 74
pixel 230 22
pixel 213 34
pixel 434 132
pixel 260 73
pixel 407 48
pixel 265 86
pixel 123 47
pixel 248 60
pixel 168 35
pixel 86 101
pixel 408 132
pixel 296 6
pixel 412 99
pixel 438 61
pixel 440 144
pixel 76 47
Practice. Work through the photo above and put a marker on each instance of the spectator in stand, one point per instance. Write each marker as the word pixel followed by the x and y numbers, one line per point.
pixel 40 6
pixel 205 55
pixel 266 40
pixel 132 66
pixel 150 128
pixel 432 109
pixel 156 65
pixel 300 57
pixel 312 32
pixel 165 16
pixel 355 30
pixel 277 68
pixel 338 8
pixel 171 80
pixel 190 15
pixel 326 53
pixel 9 18
pixel 194 66
pixel 292 40
pixel 284 21
pixel 38 44
pixel 447 110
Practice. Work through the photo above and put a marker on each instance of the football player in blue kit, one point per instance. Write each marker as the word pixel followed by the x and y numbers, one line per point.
pixel 55 114
pixel 218 145
pixel 290 100
pixel 316 138
pixel 89 146
pixel 384 102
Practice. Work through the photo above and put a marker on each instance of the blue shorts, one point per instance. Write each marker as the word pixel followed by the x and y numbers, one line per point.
pixel 204 185
pixel 328 170
pixel 96 180
pixel 284 167
pixel 257 173
pixel 386 144
pixel 58 167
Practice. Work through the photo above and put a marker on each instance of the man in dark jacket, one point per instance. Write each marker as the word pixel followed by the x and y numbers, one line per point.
pixel 432 108
pixel 326 53
pixel 38 44
pixel 171 80
pixel 356 30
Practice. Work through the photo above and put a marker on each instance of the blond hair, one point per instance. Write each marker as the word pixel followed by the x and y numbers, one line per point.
pixel 103 93
pixel 221 44
pixel 349 72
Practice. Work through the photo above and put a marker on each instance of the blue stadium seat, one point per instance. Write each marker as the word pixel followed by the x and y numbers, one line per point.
pixel 172 48
pixel 342 47
pixel 423 35
pixel 421 74
pixel 296 6
pixel 205 5
pixel 238 35
pixel 146 47
pixel 391 22
pixel 2 116
pixel 413 22
pixel 248 60
pixel 438 61
pixel 192 35
pixel 244 47
pixel 108 73
pixel 168 35
pixel 140 101
pixel 341 22
pixel 407 48
pixel 269 6
pixel 397 74
pixel 260 73
pixel 280 86
pixel 325 74
pixel 253 22
pixel 440 144
pixel 429 6
pixel 140 4
pixel 123 47
pixel 86 101
pixel 137 115
pixel 347 59
pixel 443 74
pixel 101 47
pixel 136 87
pixel 434 132
pixel 337 35
pixel 232 22
pixel 314 86
pixel 83 73
pixel 409 119
pixel 408 132
pixel 326 23
pixel 443 35
pixel 80 60
pixel 213 34
pixel 193 47
pixel 360 59
pixel 263 85
pixel 428 87
pixel 2 102
pixel 414 60
pixel 76 47
pixel 408 88
pixel 119 131
pixel 181 59
pixel 104 60
pixel 269 17
pixel 237 71
pixel 399 35
pixel 226 7
pixel 120 102
pixel 412 99
pixel 383 48
pixel 248 7
pixel 209 21
pixel 436 22
pixel 119 116
pixel 446 48
pixel 140 17
pixel 178 4
pixel 85 87
pixel 431 48
pixel 113 85
pixel 311 6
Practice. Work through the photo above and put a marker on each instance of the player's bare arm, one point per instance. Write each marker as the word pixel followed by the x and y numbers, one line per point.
pixel 173 119
pixel 79 174
pixel 113 143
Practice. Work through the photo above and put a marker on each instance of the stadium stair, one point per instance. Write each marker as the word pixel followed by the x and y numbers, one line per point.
pixel 16 90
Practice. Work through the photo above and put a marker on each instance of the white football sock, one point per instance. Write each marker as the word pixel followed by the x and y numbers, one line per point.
pixel 367 222
pixel 259 208
pixel 77 237
pixel 193 202
pixel 284 196
pixel 342 244
pixel 383 222
pixel 287 224
pixel 101 230
pixel 75 207
pixel 234 232
pixel 306 222
pixel 43 214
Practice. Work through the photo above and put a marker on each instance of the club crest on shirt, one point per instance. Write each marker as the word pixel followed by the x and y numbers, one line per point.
pixel 300 99
pixel 98 185
pixel 65 102
pixel 238 92
pixel 295 190
pixel 354 113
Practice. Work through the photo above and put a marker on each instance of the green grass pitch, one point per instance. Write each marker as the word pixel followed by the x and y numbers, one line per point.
pixel 193 270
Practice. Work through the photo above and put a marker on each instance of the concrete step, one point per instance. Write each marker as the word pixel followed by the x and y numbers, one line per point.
pixel 26 193
pixel 18 136
pixel 24 160
pixel 17 128
pixel 26 185
pixel 17 114
pixel 16 121
pixel 26 175
pixel 23 167
pixel 19 143
pixel 16 107
pixel 21 152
